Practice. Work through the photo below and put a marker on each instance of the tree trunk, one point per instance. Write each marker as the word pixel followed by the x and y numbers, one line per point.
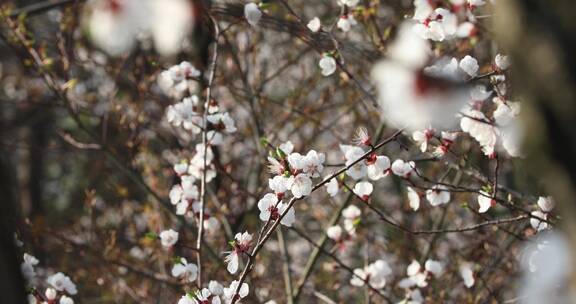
pixel 12 288
pixel 540 36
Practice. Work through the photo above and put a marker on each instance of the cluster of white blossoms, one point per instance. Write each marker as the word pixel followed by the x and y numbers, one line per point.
pixel 436 196
pixel 61 286
pixel 546 205
pixel 418 277
pixel 293 174
pixel 374 274
pixel 351 216
pixel 177 80
pixel 50 296
pixel 374 166
pixel 503 129
pixel 185 195
pixel 188 272
pixel 116 26
pixel 428 99
pixel 440 23
pixel 454 69
pixel 423 138
pixel 342 236
pixel 215 293
pixel 185 114
pixel 27 266
pixel 189 115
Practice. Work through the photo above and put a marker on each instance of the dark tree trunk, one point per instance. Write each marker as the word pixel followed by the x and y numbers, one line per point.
pixel 541 37
pixel 12 288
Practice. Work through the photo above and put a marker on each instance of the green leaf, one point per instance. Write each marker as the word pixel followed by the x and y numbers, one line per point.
pixel 152 235
pixel 264 141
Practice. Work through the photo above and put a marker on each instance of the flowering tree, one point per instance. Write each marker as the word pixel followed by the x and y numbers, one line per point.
pixel 187 151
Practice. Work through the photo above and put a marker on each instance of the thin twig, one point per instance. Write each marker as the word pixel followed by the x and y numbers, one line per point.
pixel 205 147
pixel 285 266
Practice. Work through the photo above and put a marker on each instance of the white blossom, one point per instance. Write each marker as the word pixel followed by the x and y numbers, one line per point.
pixel 401 168
pixel 252 13
pixel 536 223
pixel 210 295
pixel 352 154
pixel 302 185
pixel 546 204
pixel 50 293
pixel 351 212
pixel 469 65
pixel 502 62
pixel 418 276
pixel 467 274
pixel 485 202
pixel 222 121
pixel 363 190
pixel 332 187
pixel 422 137
pixel 334 232
pixel 379 168
pixel 180 168
pixel 280 184
pixel 314 25
pixel 168 238
pixel 241 244
pixel 287 147
pixel 61 282
pixel 65 300
pixel 314 163
pixel 374 273
pixel 438 195
pixel 508 127
pixel 327 65
pixel 271 208
pixel 27 266
pixel 185 299
pixel 474 123
pixel 230 292
pixel 346 22
pixel 413 198
pixel 351 215
pixel 441 24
